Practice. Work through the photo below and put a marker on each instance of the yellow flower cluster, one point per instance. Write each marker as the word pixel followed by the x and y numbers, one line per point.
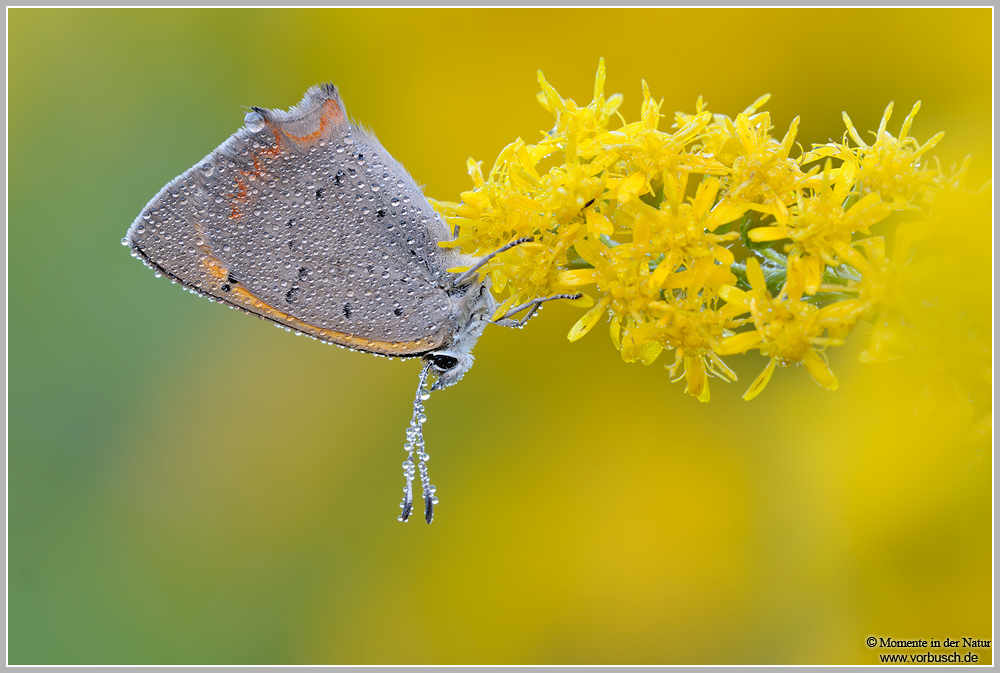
pixel 709 239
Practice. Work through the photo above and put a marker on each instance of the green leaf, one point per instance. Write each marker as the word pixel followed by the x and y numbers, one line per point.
pixel 750 220
pixel 774 268
pixel 574 261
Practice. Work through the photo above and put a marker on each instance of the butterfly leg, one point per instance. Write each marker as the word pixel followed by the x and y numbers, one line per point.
pixel 466 275
pixel 531 306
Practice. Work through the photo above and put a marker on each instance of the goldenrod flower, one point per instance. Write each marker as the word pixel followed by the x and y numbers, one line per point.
pixel 889 167
pixel 707 239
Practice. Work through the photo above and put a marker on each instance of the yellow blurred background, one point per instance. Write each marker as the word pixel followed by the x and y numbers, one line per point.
pixel 189 485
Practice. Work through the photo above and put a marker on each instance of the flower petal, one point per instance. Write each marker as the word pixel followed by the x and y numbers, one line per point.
pixel 819 370
pixel 589 319
pixel 739 343
pixel 760 382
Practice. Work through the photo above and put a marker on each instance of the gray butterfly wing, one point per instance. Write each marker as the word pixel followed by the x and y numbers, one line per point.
pixel 304 219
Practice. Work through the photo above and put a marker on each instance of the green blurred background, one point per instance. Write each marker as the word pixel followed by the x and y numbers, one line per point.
pixel 190 485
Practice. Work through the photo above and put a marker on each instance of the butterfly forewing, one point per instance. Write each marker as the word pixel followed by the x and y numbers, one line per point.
pixel 302 218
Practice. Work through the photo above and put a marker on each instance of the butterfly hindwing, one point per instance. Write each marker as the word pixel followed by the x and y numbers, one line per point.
pixel 303 218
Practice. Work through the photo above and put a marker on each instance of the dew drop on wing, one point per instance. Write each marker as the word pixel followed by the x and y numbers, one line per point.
pixel 254 122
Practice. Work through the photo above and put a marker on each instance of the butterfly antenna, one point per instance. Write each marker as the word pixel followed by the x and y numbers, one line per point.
pixel 415 445
pixel 466 275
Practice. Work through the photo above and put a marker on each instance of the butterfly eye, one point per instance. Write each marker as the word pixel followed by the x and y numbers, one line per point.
pixel 442 363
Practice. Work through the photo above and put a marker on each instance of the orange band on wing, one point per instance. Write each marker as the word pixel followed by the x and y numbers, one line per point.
pixel 240 196
pixel 332 114
pixel 215 267
pixel 250 302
